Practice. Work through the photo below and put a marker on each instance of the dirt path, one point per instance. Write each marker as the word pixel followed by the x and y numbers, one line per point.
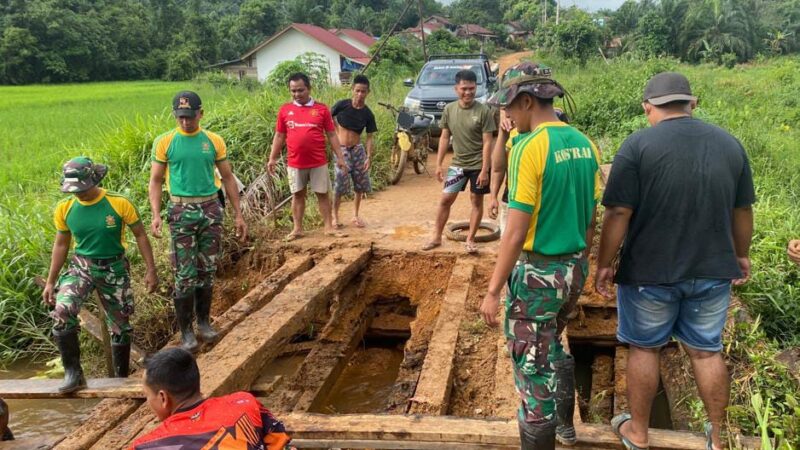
pixel 506 61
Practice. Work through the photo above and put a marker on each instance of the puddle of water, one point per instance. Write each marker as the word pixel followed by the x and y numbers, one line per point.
pixel 366 382
pixel 47 417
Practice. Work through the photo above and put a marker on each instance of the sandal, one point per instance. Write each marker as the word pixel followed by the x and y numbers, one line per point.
pixel 293 236
pixel 431 246
pixel 616 424
pixel 471 247
pixel 358 222
pixel 335 234
pixel 337 225
pixel 707 430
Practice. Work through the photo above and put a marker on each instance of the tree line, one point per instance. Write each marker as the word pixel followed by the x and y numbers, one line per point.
pixel 53 41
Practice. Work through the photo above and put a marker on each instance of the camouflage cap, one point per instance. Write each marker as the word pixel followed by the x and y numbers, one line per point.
pixel 530 77
pixel 81 174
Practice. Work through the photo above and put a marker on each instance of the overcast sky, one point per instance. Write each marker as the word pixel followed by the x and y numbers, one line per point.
pixel 591 5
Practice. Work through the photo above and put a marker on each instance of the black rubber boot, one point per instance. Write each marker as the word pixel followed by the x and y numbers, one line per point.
pixel 537 436
pixel 184 307
pixel 121 357
pixel 565 400
pixel 70 348
pixel 202 307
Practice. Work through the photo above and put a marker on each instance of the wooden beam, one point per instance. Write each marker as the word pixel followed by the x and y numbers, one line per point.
pixel 104 416
pixel 259 296
pixel 323 365
pixel 594 326
pixel 97 388
pixel 233 364
pixel 457 432
pixel 432 395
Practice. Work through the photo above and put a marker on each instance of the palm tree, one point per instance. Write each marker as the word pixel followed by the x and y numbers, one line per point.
pixel 715 27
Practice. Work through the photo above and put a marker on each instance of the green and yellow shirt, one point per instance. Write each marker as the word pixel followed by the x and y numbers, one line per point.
pixel 98 226
pixel 554 175
pixel 191 161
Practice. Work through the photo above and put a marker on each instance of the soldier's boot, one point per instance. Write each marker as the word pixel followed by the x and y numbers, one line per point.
pixel 565 400
pixel 121 357
pixel 70 349
pixel 202 306
pixel 184 307
pixel 537 436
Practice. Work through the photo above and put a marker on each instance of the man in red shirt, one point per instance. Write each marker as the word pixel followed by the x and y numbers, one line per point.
pixel 172 388
pixel 302 126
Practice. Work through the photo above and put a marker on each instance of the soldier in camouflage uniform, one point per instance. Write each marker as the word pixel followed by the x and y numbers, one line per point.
pixel 554 185
pixel 97 220
pixel 186 157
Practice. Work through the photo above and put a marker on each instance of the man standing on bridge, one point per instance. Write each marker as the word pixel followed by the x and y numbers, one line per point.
pixel 554 185
pixel 97 220
pixel 235 421
pixel 471 125
pixel 187 156
pixel 302 125
pixel 353 116
pixel 680 196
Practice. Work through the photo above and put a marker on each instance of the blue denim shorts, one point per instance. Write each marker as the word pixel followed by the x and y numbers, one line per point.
pixel 693 311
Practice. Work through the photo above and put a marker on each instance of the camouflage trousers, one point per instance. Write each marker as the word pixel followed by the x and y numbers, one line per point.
pixel 196 229
pixel 541 295
pixel 113 284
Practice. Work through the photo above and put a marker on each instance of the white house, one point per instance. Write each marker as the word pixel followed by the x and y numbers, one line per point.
pixel 294 40
pixel 356 38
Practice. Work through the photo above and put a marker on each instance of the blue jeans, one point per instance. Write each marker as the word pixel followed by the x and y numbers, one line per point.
pixel 693 311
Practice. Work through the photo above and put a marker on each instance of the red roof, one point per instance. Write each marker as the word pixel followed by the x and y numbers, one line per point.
pixel 471 28
pixel 320 34
pixel 357 35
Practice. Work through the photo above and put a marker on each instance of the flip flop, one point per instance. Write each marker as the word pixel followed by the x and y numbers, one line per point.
pixel 358 222
pixel 292 237
pixel 338 225
pixel 616 424
pixel 335 234
pixel 470 247
pixel 431 246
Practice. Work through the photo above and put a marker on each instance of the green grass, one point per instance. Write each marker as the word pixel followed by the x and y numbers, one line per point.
pixel 43 125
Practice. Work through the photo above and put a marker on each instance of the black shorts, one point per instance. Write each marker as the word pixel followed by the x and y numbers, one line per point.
pixel 457 178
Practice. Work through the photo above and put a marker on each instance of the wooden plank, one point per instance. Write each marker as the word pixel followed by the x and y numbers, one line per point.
pixel 396 445
pixel 234 362
pixel 96 388
pixel 39 443
pixel 263 389
pixel 595 326
pixel 259 296
pixel 104 416
pixel 458 432
pixel 621 380
pixel 432 395
pixel 505 393
pixel 323 365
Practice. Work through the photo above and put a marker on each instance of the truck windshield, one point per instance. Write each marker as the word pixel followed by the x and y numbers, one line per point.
pixel 445 74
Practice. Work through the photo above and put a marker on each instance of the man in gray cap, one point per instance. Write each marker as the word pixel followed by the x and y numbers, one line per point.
pixel 680 196
pixel 97 219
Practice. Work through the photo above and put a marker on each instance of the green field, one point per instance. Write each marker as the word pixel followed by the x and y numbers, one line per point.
pixel 43 125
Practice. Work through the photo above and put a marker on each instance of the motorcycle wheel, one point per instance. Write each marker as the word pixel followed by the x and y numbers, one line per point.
pixel 399 158
pixel 422 155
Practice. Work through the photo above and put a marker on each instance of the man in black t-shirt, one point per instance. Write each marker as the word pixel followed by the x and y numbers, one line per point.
pixel 680 195
pixel 352 117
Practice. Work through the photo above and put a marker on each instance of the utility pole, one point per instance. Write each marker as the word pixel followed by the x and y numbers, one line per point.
pixel 558 10
pixel 422 30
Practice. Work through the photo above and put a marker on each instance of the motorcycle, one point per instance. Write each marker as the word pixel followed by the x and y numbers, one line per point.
pixel 412 138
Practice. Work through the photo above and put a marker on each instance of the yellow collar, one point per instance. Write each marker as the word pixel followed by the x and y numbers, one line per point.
pixel 94 200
